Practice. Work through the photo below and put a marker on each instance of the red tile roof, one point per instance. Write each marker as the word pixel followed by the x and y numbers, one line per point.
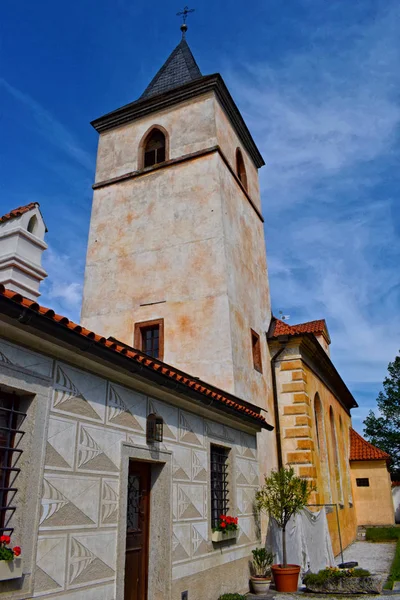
pixel 281 328
pixel 17 212
pixel 139 357
pixel 360 449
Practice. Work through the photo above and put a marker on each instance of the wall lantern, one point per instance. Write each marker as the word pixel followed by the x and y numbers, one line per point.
pixel 154 429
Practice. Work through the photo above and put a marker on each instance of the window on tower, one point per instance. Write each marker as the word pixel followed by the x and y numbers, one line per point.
pixel 240 168
pixel 149 338
pixel 256 348
pixel 154 148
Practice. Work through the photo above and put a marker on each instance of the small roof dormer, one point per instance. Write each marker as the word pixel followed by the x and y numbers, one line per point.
pixel 22 244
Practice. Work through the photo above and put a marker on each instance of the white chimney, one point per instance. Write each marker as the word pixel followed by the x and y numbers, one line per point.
pixel 21 247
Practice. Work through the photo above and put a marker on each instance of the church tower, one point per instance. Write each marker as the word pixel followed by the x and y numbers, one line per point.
pixel 176 262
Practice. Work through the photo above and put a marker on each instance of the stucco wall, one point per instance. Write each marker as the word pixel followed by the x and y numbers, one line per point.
pixel 81 533
pixel 298 386
pixel 374 504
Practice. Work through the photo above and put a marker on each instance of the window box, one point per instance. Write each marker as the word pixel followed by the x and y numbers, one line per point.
pixel 222 536
pixel 10 569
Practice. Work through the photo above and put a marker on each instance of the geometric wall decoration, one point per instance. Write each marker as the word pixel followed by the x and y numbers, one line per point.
pixel 69 501
pixel 199 465
pixel 70 399
pixel 109 502
pixel 181 463
pixel 124 408
pixel 190 429
pixel 192 502
pixel 91 558
pixel 50 563
pixel 181 542
pixel 199 538
pixel 246 472
pixel 99 448
pixel 84 566
pixel 169 415
pixel 60 450
pixel 25 359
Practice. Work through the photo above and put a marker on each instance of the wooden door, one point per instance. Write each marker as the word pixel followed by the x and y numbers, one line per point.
pixel 137 531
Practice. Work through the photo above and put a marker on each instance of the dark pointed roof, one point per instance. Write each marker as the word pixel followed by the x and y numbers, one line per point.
pixel 179 68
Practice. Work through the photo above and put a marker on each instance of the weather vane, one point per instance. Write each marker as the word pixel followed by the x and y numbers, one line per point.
pixel 184 14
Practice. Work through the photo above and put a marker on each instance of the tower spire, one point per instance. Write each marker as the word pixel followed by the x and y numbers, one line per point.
pixel 184 14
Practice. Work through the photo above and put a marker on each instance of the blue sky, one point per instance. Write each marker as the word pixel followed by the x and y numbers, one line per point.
pixel 317 83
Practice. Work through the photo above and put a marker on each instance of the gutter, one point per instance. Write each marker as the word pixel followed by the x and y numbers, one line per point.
pixel 276 406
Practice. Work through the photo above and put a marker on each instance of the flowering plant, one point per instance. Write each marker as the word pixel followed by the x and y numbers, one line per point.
pixel 7 553
pixel 226 523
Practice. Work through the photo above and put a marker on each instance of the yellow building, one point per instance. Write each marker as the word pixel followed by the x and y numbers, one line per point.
pixel 371 482
pixel 312 415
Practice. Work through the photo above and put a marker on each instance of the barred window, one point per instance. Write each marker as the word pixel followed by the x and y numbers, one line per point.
pixel 219 483
pixel 11 419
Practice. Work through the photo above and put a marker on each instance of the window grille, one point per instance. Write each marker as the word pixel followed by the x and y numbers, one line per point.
pixel 219 483
pixel 11 419
pixel 362 482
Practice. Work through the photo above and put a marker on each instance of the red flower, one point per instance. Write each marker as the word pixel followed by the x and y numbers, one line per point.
pixel 17 550
pixel 223 525
pixel 5 539
pixel 223 518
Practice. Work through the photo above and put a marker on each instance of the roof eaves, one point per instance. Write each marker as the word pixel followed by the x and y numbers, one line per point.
pixel 190 385
pixel 202 85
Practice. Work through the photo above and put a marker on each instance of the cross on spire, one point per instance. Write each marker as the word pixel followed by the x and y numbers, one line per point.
pixel 184 14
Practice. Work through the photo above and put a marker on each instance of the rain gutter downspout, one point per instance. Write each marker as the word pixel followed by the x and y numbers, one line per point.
pixel 276 406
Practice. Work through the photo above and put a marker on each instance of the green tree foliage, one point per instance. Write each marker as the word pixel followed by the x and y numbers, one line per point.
pixel 282 496
pixel 383 430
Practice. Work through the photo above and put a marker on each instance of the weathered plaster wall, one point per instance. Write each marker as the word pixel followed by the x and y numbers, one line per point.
pixel 228 140
pixel 85 422
pixel 374 504
pixel 190 125
pixel 186 238
pixel 298 386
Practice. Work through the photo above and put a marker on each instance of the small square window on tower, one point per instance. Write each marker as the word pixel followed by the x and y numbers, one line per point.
pixel 362 481
pixel 256 348
pixel 149 338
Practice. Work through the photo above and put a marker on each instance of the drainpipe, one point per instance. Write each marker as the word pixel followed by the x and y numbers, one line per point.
pixel 276 407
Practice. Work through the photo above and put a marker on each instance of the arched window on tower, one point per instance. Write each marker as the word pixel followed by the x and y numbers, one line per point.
pixel 240 168
pixel 32 225
pixel 336 458
pixel 154 148
pixel 322 452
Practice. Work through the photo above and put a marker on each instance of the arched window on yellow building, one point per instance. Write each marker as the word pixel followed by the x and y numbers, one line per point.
pixel 324 482
pixel 337 470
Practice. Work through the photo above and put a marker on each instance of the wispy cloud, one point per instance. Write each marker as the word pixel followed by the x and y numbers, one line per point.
pixel 327 122
pixel 62 290
pixel 50 127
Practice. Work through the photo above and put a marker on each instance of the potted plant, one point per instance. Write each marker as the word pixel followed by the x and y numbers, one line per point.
pixel 226 529
pixel 10 561
pixel 261 570
pixel 282 496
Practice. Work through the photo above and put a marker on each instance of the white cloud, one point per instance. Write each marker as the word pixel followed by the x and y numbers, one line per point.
pixel 327 123
pixel 62 290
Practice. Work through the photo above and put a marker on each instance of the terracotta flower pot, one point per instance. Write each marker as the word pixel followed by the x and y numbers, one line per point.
pixel 260 585
pixel 286 578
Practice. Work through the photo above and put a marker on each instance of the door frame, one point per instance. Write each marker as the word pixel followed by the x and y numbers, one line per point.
pixel 160 527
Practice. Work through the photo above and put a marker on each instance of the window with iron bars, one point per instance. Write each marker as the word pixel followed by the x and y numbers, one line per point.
pixel 219 483
pixel 11 419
